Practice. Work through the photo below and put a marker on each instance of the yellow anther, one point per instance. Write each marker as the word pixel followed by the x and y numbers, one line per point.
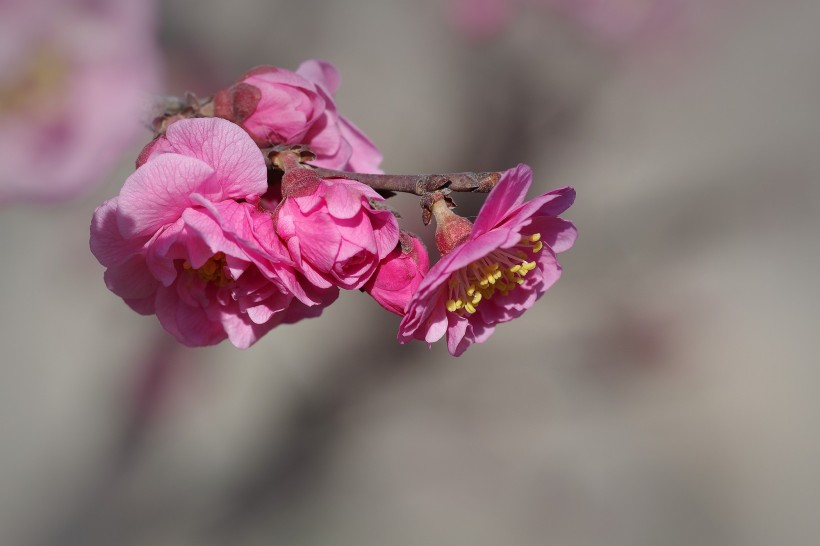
pixel 459 303
pixel 535 237
pixel 471 290
pixel 451 306
pixel 515 268
pixel 484 283
pixel 497 274
pixel 476 298
pixel 469 307
pixel 537 246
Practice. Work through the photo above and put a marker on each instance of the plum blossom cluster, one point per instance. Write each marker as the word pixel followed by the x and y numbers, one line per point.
pixel 255 207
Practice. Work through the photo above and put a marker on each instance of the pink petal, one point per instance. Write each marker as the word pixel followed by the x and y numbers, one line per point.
pixel 342 203
pixel 457 339
pixel 320 72
pixel 156 194
pixel 107 244
pixel 238 163
pixel 190 325
pixel 508 193
pixel 559 234
pixel 364 156
pixel 551 203
pixel 131 279
pixel 460 257
pixel 242 332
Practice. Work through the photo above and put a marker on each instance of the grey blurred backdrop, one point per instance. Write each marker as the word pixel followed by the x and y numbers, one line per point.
pixel 662 393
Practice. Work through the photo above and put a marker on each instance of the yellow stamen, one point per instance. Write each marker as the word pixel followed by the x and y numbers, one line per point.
pixel 500 272
pixel 212 271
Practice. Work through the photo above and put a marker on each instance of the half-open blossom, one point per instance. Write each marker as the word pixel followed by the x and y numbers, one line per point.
pixel 74 76
pixel 399 274
pixel 184 240
pixel 493 270
pixel 333 232
pixel 277 106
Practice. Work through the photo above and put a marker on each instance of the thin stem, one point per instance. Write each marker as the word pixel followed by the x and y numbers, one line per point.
pixel 419 184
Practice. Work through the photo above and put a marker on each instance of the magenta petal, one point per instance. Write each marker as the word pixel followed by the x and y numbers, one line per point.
pixel 238 163
pixel 156 194
pixel 508 193
pixel 342 202
pixel 549 204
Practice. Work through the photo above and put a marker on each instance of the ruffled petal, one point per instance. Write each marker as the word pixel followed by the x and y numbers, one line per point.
pixel 238 164
pixel 156 194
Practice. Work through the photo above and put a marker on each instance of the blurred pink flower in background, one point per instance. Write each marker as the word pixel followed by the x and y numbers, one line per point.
pixel 74 78
pixel 277 106
pixel 493 271
pixel 185 240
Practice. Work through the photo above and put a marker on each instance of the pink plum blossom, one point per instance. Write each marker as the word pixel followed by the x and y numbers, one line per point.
pixel 399 274
pixel 493 270
pixel 74 78
pixel 185 241
pixel 277 106
pixel 333 232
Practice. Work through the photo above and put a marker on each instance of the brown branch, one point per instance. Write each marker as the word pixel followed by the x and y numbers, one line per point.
pixel 419 184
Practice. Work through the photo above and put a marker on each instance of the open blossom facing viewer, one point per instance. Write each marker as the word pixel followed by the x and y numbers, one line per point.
pixel 491 271
pixel 277 106
pixel 185 240
pixel 74 76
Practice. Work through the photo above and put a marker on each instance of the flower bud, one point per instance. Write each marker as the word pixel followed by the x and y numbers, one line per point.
pixel 279 107
pixel 451 229
pixel 399 274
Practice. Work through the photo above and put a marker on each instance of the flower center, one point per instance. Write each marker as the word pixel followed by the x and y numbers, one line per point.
pixel 213 271
pixel 496 273
pixel 34 87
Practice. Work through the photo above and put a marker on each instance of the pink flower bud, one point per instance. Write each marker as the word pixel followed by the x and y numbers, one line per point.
pixel 399 274
pixel 277 106
pixel 451 229
pixel 333 233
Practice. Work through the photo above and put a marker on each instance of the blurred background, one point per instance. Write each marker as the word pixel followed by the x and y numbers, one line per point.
pixel 662 393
